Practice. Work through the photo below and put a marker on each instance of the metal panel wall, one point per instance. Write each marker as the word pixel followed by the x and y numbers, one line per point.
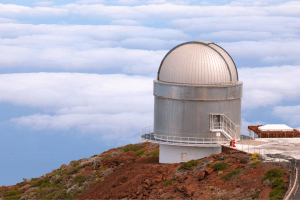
pixel 190 118
pixel 191 92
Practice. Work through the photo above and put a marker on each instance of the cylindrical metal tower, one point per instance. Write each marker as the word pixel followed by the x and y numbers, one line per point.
pixel 197 102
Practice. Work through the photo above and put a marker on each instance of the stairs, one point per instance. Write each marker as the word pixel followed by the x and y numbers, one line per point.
pixel 221 123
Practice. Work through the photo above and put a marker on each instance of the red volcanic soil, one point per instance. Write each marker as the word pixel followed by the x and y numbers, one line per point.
pixel 274 134
pixel 144 178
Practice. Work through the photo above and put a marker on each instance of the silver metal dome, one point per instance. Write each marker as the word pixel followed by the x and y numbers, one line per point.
pixel 199 63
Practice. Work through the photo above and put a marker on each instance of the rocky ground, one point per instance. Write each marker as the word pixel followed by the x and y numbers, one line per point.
pixel 134 172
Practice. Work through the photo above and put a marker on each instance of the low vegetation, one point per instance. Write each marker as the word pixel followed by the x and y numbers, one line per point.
pixel 255 162
pixel 278 184
pixel 222 158
pixel 154 153
pixel 132 147
pixel 229 175
pixel 220 166
pixel 254 156
pixel 189 164
pixel 169 182
pixel 139 153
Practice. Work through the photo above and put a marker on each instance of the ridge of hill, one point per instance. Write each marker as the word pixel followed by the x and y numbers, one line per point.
pixel 134 172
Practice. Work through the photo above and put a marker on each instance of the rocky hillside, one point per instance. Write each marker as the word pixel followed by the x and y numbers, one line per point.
pixel 133 172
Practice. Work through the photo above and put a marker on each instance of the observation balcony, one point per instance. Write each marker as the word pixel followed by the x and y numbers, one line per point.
pixel 147 134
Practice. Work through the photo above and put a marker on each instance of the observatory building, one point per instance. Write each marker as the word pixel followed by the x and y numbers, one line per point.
pixel 197 102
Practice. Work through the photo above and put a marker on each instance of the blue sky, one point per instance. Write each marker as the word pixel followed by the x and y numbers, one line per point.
pixel 76 76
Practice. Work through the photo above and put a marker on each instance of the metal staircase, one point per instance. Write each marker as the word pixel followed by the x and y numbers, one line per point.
pixel 221 123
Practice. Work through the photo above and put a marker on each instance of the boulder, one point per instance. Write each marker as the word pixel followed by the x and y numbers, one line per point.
pixel 201 175
pixel 208 170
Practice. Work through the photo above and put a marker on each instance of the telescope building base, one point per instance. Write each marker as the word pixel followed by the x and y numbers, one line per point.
pixel 178 154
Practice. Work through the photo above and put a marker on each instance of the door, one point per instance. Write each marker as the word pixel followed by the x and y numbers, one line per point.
pixel 216 120
pixel 183 157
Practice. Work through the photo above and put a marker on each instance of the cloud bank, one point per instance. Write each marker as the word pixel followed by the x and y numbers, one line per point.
pixel 118 105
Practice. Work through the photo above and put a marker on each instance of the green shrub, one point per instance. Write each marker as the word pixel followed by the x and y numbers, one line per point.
pixel 220 166
pixel 139 153
pixel 101 170
pixel 273 174
pixel 50 195
pixel 255 162
pixel 278 185
pixel 278 189
pixel 132 147
pixel 254 156
pixel 74 170
pixel 79 192
pixel 94 155
pixel 169 182
pixel 48 185
pixel 228 176
pixel 16 197
pixel 154 153
pixel 61 194
pixel 189 164
pixel 276 193
pixel 62 166
pixel 38 182
pixel 12 192
pixel 75 163
pixel 108 156
pixel 80 179
pixel 58 180
pixel 222 158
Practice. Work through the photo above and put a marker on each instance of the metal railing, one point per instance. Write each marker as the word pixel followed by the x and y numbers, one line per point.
pixel 224 127
pixel 147 134
pixel 224 124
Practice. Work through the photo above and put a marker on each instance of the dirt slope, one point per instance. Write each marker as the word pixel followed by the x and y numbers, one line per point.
pixel 143 178
pixel 133 172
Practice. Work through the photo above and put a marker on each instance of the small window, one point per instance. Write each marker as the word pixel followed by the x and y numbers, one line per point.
pixel 184 157
pixel 218 134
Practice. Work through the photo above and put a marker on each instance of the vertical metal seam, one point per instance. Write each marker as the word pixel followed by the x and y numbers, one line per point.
pixel 237 75
pixel 227 58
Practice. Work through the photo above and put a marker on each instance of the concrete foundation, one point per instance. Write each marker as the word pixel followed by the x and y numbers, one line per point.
pixel 177 154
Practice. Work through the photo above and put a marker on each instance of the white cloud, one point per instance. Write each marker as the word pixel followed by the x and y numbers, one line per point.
pixel 236 35
pixel 154 9
pixel 44 3
pixel 85 47
pixel 257 23
pixel 128 61
pixel 178 2
pixel 269 85
pixel 12 10
pixel 90 1
pixel 291 114
pixel 120 127
pixel 117 106
pixel 126 22
pixel 169 10
pixel 267 51
pixel 6 20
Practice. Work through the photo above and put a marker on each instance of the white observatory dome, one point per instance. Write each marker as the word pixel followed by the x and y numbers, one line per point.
pixel 199 63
